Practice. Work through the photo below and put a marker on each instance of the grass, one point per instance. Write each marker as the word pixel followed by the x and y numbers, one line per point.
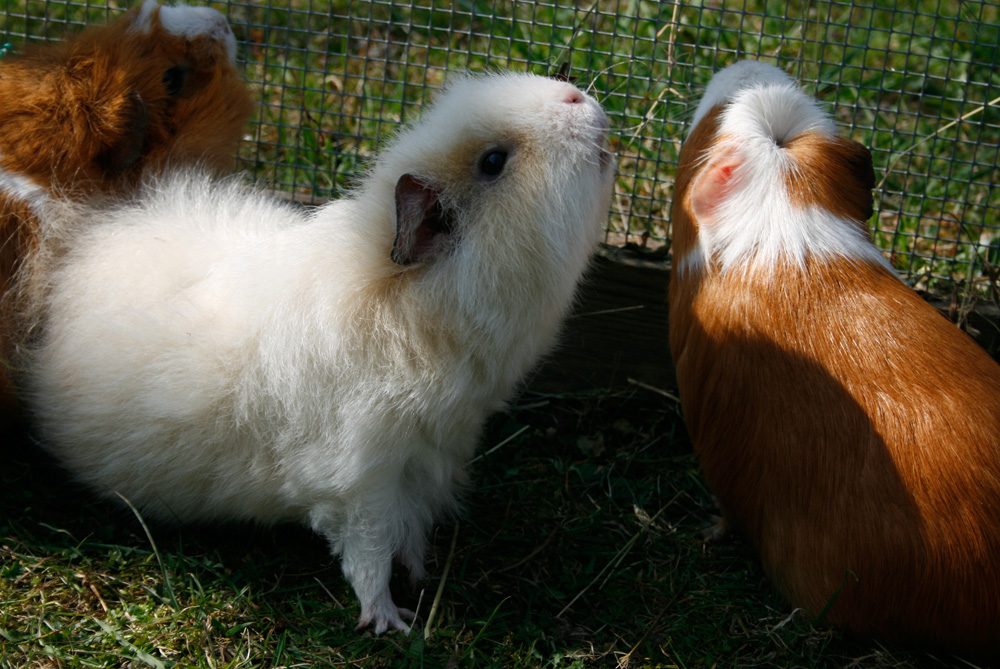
pixel 578 547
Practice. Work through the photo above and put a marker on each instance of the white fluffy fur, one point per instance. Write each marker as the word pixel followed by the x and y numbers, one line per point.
pixel 759 224
pixel 20 187
pixel 210 353
pixel 188 22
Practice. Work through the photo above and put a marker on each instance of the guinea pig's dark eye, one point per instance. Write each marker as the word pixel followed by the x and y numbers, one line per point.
pixel 174 78
pixel 491 165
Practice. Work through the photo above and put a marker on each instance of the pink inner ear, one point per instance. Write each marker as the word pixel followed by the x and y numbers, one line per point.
pixel 417 220
pixel 716 182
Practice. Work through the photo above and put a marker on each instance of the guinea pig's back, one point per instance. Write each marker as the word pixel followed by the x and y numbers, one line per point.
pixel 859 450
pixel 144 317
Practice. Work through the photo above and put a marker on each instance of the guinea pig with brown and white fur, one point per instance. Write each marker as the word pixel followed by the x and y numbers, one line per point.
pixel 846 427
pixel 94 114
pixel 212 354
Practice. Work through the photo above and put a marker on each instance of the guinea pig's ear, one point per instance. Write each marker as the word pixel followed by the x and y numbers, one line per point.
pixel 715 182
pixel 858 159
pixel 420 220
pixel 836 173
pixel 130 140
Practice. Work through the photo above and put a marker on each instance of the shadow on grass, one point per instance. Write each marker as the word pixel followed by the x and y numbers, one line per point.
pixel 577 547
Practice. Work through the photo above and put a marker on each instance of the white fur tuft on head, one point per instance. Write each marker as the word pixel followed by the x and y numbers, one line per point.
pixel 726 83
pixel 755 221
pixel 188 22
pixel 21 187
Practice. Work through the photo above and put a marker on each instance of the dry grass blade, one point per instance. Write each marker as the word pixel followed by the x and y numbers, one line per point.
pixel 432 614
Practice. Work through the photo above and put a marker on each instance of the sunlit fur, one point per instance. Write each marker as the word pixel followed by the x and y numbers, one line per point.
pixel 849 430
pixel 92 115
pixel 212 354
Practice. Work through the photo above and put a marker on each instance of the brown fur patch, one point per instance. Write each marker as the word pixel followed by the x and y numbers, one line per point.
pixel 83 93
pixel 854 435
pixel 832 173
pixel 18 236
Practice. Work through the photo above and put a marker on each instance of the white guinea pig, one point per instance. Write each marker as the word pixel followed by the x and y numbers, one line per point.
pixel 212 354
pixel 845 426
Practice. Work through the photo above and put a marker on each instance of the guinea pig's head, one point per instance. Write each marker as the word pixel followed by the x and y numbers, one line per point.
pixel 764 178
pixel 158 85
pixel 201 101
pixel 511 168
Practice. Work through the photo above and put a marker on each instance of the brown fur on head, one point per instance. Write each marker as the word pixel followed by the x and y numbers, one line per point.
pixel 93 115
pixel 97 110
pixel 848 429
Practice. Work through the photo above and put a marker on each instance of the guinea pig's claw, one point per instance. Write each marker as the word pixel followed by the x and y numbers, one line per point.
pixel 388 619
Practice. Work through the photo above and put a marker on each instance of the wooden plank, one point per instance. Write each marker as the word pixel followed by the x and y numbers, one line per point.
pixel 618 330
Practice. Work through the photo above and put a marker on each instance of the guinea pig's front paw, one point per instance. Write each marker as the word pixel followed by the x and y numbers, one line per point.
pixel 385 614
pixel 417 574
pixel 413 559
pixel 716 532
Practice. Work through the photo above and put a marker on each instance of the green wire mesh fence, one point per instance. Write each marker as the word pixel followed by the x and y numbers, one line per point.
pixel 917 82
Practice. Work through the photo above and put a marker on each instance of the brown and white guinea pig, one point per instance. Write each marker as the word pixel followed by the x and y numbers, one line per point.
pixel 848 429
pixel 92 115
pixel 213 354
